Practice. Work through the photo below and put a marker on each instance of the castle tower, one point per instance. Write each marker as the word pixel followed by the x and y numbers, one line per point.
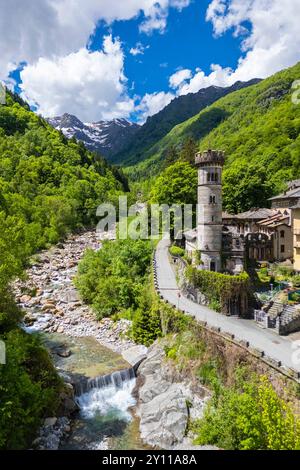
pixel 210 164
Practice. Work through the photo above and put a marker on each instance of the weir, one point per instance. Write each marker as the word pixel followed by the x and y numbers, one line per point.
pixel 107 393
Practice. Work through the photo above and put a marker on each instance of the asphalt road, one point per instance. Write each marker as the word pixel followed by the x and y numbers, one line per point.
pixel 277 347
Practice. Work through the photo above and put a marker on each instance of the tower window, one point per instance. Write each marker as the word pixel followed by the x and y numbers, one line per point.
pixel 208 177
pixel 282 234
pixel 282 249
pixel 213 219
pixel 216 176
pixel 212 200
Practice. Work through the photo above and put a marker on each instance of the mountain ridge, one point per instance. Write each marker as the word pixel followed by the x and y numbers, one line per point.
pixel 179 110
pixel 103 137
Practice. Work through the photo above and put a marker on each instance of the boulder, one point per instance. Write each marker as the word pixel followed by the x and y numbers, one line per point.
pixel 25 299
pixel 164 418
pixel 163 398
pixel 50 422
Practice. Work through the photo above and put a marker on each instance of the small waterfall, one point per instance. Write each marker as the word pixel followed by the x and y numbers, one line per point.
pixel 107 394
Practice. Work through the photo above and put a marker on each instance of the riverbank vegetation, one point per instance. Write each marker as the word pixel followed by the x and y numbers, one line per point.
pixel 29 384
pixel 116 282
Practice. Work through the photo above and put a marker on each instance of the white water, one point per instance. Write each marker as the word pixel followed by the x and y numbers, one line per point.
pixel 108 395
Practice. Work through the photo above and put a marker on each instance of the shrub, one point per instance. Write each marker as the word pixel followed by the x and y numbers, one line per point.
pixel 208 373
pixel 177 251
pixel 250 416
pixel 146 325
pixel 111 280
pixel 29 389
pixel 296 280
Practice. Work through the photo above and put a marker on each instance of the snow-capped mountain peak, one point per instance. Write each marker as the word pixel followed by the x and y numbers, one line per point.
pixel 104 137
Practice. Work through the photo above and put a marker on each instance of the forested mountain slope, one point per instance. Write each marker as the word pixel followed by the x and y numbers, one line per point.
pixel 179 110
pixel 48 185
pixel 258 128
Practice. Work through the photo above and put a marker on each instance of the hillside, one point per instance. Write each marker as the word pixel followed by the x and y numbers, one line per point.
pixel 104 137
pixel 48 187
pixel 179 110
pixel 258 127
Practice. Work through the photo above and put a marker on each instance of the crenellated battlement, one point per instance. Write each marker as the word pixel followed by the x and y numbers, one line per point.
pixel 209 157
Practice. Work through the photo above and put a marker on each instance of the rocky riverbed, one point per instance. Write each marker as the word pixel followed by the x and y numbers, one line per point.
pixel 53 306
pixel 52 303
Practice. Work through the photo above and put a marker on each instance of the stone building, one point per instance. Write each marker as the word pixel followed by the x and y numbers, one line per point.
pixel 226 241
pixel 210 224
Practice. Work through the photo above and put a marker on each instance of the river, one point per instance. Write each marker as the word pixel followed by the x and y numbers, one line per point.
pixel 82 348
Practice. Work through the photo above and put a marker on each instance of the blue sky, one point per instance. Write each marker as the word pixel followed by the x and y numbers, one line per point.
pixel 105 59
pixel 188 42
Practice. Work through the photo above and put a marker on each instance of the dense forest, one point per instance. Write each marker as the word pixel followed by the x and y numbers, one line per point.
pixel 48 187
pixel 258 128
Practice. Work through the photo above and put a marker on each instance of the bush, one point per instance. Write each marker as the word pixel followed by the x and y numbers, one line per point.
pixel 250 416
pixel 29 389
pixel 208 373
pixel 296 280
pixel 285 272
pixel 111 280
pixel 177 251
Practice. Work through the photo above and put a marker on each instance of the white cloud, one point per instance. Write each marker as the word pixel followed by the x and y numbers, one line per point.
pixel 218 77
pixel 179 78
pixel 90 85
pixel 138 49
pixel 31 29
pixel 153 103
pixel 270 41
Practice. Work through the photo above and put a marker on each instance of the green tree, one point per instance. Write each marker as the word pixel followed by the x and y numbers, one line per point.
pixel 176 185
pixel 188 150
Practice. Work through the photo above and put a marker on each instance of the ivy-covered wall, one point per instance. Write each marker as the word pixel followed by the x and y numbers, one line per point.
pixel 228 294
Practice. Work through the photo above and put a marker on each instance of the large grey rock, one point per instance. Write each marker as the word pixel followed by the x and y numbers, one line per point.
pixel 163 399
pixel 155 385
pixel 164 418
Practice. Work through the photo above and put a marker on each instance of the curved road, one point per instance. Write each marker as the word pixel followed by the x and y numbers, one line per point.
pixel 274 346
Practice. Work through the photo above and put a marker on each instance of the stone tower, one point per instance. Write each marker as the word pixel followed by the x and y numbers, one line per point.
pixel 210 164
